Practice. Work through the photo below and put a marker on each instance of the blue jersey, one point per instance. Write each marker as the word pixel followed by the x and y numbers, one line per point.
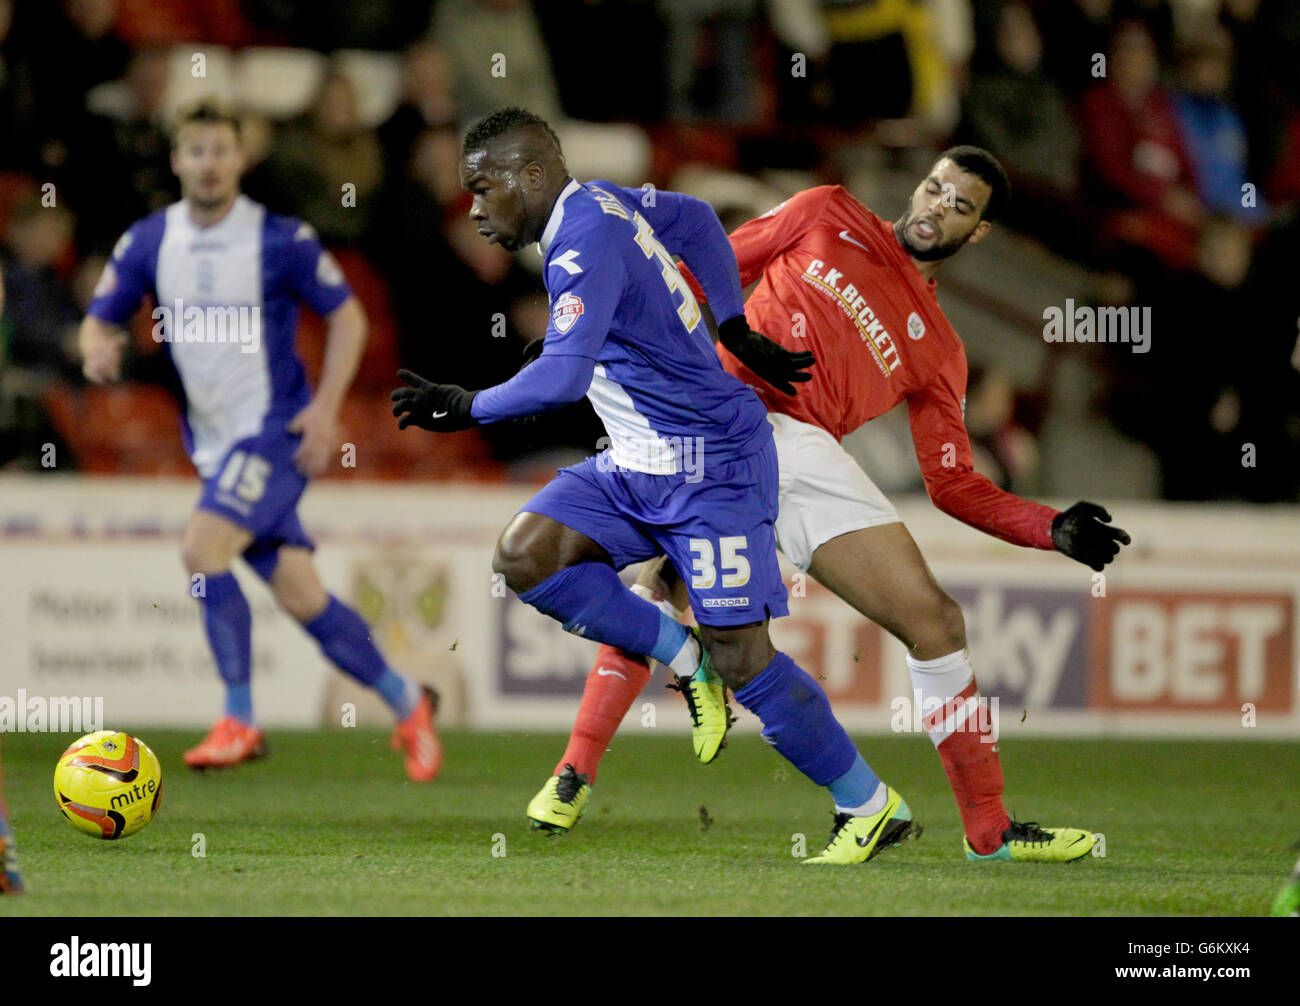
pixel 227 308
pixel 626 330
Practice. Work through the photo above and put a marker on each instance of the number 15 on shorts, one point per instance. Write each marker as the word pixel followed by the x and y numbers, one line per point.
pixel 707 560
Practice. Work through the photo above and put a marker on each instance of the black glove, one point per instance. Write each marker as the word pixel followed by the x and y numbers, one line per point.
pixel 443 408
pixel 770 360
pixel 1084 533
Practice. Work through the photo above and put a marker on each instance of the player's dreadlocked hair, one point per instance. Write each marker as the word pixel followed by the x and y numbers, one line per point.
pixel 502 121
pixel 979 162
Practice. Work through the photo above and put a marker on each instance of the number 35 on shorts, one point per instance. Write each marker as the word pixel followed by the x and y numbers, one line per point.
pixel 735 567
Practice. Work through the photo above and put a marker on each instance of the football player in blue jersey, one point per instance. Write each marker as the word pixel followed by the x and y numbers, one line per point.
pixel 691 470
pixel 227 276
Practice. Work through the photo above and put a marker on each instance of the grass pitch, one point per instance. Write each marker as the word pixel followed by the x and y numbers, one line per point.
pixel 327 825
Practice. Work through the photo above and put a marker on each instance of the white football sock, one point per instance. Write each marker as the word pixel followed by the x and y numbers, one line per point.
pixel 873 806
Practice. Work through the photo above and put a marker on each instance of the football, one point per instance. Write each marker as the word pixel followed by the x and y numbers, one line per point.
pixel 108 784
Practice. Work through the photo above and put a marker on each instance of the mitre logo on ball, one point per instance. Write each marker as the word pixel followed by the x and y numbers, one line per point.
pixel 567 311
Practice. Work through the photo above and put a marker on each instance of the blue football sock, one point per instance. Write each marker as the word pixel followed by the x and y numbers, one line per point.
pixel 589 599
pixel 228 622
pixel 857 789
pixel 344 637
pixel 797 721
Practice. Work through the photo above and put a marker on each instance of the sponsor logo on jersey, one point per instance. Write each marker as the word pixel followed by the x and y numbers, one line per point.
pixel 915 326
pixel 871 329
pixel 568 309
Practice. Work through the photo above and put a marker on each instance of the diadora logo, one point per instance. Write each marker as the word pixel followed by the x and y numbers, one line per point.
pixel 568 309
pixel 915 326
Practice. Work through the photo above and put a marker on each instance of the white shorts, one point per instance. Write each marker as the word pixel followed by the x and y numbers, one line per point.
pixel 824 493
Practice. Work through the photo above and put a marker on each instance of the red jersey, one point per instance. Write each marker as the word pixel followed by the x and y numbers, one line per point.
pixel 835 281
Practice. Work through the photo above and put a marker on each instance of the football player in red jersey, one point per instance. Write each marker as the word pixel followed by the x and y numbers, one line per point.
pixel 859 293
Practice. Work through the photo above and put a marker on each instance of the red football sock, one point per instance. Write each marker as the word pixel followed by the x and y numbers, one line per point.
pixel 616 679
pixel 962 734
pixel 975 774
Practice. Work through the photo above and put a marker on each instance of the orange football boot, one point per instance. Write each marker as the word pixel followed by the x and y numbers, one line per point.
pixel 230 743
pixel 417 736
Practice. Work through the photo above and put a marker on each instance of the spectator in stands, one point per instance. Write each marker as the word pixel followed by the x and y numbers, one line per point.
pixel 419 243
pixel 1212 131
pixel 445 278
pixel 427 103
pixel 328 166
pixel 17 99
pixel 1005 452
pixel 1266 75
pixel 41 322
pixel 119 166
pixel 631 80
pixel 53 55
pixel 498 57
pixel 898 42
pixel 709 58
pixel 1135 163
pixel 1013 109
pixel 1077 32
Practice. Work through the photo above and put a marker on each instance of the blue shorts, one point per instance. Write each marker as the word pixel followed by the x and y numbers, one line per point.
pixel 257 487
pixel 718 532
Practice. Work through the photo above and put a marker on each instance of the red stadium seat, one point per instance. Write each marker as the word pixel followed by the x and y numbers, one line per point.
pixel 385 452
pixel 127 429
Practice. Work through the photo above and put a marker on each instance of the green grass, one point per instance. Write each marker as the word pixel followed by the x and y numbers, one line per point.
pixel 328 826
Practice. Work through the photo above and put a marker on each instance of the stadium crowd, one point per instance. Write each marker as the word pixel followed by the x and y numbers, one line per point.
pixel 1156 143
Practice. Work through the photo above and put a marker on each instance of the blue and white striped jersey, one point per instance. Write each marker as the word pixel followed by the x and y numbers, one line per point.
pixel 227 307
pixel 629 331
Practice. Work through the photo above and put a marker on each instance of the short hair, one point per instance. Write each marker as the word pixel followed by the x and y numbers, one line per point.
pixel 502 121
pixel 979 162
pixel 205 111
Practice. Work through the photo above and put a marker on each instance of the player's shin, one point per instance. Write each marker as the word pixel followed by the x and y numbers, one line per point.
pixel 590 600
pixel 951 715
pixel 228 621
pixel 797 721
pixel 344 637
pixel 613 684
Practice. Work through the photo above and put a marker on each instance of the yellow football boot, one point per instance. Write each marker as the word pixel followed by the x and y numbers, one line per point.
pixel 559 804
pixel 706 700
pixel 1025 842
pixel 857 839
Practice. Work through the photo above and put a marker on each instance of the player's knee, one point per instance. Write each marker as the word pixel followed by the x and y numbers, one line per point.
pixel 738 654
pixel 944 631
pixel 200 556
pixel 515 560
pixel 303 601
